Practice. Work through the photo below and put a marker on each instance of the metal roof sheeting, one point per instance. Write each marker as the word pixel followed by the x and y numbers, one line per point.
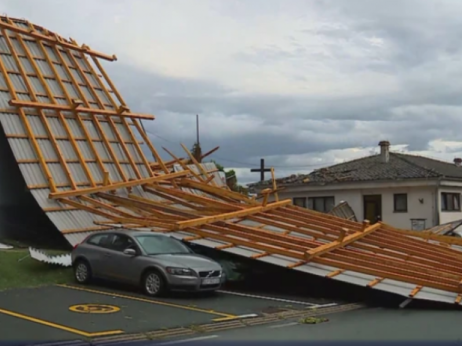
pixel 77 145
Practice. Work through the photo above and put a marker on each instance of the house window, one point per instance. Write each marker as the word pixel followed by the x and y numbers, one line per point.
pixel 300 202
pixel 400 202
pixel 450 201
pixel 322 204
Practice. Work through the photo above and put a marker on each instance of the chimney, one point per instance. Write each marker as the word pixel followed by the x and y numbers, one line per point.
pixel 385 151
pixel 458 161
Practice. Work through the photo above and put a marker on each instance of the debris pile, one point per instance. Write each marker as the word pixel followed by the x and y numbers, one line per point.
pixel 77 144
pixel 344 210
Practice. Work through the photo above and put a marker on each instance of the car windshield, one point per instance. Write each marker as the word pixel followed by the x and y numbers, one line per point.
pixel 157 245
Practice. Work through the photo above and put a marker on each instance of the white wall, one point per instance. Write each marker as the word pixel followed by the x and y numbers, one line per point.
pixel 416 210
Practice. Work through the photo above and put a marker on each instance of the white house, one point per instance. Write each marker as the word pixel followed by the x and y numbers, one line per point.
pixel 405 191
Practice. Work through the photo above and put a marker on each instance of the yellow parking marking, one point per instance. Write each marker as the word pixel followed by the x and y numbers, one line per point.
pixel 223 319
pixel 156 302
pixel 94 308
pixel 59 326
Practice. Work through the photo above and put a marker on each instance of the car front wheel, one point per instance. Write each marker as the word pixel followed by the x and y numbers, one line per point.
pixel 153 283
pixel 82 272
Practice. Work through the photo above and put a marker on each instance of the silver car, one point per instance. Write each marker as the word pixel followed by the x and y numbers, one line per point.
pixel 157 262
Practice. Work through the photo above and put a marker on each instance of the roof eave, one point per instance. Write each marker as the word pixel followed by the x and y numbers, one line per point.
pixel 317 184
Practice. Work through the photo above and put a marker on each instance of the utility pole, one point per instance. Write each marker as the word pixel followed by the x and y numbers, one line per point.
pixel 197 131
pixel 197 152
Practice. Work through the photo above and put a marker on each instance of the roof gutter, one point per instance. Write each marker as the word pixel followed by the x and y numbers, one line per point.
pixel 437 200
pixel 348 184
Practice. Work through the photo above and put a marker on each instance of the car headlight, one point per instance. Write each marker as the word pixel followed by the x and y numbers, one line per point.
pixel 180 271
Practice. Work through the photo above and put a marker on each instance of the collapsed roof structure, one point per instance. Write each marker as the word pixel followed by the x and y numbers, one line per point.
pixel 78 146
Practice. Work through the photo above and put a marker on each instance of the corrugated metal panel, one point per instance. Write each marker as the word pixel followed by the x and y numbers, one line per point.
pixel 95 172
pixel 356 278
pixel 436 295
pixel 278 260
pixel 85 150
pixel 242 251
pixel 41 196
pixel 73 219
pixel 316 269
pixel 102 151
pixel 33 174
pixel 344 210
pixel 394 286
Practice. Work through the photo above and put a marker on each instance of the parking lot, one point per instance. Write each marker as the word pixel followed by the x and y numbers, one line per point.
pixel 63 312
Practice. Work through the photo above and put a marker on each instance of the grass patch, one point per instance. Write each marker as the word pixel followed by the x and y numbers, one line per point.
pixel 14 243
pixel 17 270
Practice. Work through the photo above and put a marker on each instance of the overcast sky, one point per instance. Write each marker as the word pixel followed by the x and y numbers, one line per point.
pixel 303 84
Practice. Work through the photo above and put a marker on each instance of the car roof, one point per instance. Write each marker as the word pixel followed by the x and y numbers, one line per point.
pixel 131 233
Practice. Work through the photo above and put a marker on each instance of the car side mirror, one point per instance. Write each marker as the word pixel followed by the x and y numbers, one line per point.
pixel 130 252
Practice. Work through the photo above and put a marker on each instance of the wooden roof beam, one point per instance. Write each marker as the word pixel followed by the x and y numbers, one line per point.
pixel 205 201
pixel 173 199
pixel 55 40
pixel 199 166
pixel 148 205
pixel 341 242
pixel 216 191
pixel 58 107
pixel 89 209
pixel 106 206
pixel 228 216
pixel 182 164
pixel 163 206
pixel 116 186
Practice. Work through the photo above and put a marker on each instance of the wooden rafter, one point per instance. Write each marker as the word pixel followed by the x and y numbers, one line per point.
pixel 116 186
pixel 39 36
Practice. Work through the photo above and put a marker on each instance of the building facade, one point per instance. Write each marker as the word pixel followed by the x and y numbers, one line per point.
pixel 405 191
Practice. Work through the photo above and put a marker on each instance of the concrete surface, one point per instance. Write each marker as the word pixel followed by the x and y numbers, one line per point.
pixel 374 324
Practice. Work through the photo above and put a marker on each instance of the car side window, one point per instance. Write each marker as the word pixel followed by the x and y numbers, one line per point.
pixel 121 242
pixel 98 240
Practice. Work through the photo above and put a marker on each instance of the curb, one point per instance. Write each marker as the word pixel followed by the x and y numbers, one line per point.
pixel 219 326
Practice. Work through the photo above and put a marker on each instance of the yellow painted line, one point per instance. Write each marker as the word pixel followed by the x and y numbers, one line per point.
pixel 223 319
pixel 156 302
pixel 59 326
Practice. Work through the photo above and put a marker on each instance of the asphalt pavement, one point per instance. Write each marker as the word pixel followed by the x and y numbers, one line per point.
pixel 63 312
pixel 370 324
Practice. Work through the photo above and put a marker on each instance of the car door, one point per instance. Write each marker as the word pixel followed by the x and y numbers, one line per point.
pixel 119 266
pixel 94 251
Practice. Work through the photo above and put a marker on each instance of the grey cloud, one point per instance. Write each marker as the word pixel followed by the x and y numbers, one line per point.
pixel 249 127
pixel 157 93
pixel 419 30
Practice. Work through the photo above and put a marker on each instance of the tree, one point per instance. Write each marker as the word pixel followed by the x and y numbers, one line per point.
pixel 229 174
pixel 231 179
pixel 196 151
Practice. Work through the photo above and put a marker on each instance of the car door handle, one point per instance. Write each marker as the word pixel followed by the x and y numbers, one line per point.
pixel 107 255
